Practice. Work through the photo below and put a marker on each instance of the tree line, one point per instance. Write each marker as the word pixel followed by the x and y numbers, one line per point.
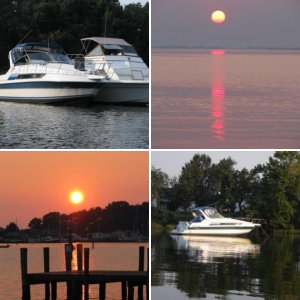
pixel 269 191
pixel 67 21
pixel 116 216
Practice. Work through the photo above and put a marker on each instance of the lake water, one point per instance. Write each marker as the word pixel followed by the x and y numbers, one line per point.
pixel 225 268
pixel 105 256
pixel 28 126
pixel 225 99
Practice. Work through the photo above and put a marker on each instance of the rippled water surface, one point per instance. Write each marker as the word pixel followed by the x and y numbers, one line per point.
pixel 225 99
pixel 24 126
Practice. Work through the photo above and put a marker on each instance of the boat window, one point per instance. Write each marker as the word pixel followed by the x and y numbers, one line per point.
pixel 112 50
pixel 97 51
pixel 59 57
pixel 129 50
pixel 212 213
pixel 198 219
pixel 38 57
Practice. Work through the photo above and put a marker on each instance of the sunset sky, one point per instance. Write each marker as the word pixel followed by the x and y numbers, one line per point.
pixel 249 23
pixel 37 182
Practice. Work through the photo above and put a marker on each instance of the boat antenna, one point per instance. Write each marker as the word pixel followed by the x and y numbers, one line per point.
pixel 25 36
pixel 105 22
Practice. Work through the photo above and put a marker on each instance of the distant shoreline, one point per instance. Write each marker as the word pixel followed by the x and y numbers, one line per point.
pixel 221 48
pixel 219 51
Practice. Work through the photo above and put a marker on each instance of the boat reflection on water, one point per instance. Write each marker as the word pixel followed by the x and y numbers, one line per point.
pixel 206 249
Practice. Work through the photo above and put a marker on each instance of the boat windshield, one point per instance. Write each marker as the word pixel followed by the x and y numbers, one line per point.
pixel 39 55
pixel 212 213
pixel 109 49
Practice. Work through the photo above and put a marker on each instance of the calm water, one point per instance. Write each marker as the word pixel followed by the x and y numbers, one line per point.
pixel 225 268
pixel 218 99
pixel 25 126
pixel 105 256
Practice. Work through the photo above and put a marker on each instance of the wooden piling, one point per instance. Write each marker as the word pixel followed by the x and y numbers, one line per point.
pixel 79 268
pixel 130 291
pixel 79 257
pixel 68 262
pixel 141 258
pixel 53 290
pixel 46 270
pixel 24 272
pixel 102 290
pixel 147 285
pixel 124 290
pixel 86 272
pixel 68 256
pixel 141 268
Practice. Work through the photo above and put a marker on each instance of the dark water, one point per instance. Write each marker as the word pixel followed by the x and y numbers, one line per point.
pixel 217 268
pixel 27 126
pixel 225 99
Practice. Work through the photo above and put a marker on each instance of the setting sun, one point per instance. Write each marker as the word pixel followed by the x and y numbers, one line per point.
pixel 76 197
pixel 218 17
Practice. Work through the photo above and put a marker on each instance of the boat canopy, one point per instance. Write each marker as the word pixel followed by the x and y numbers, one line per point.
pixel 38 52
pixel 207 211
pixel 105 41
pixel 107 46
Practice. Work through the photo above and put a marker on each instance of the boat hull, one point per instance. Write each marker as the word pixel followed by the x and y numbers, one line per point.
pixel 116 92
pixel 210 231
pixel 47 92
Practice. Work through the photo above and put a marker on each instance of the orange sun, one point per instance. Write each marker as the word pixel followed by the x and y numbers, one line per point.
pixel 218 17
pixel 76 197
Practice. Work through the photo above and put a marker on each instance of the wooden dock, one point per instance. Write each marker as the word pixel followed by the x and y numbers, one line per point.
pixel 76 279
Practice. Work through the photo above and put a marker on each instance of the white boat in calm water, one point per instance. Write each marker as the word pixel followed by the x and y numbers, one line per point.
pixel 207 221
pixel 123 75
pixel 41 72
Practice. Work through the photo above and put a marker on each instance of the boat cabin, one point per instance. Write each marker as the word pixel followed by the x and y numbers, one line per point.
pixel 38 53
pixel 100 46
pixel 201 213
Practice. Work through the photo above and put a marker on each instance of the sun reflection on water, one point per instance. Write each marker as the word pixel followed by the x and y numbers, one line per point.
pixel 217 95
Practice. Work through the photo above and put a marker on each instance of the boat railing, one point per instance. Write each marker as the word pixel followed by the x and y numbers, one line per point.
pixel 134 74
pixel 100 69
pixel 47 68
pixel 110 71
pixel 253 220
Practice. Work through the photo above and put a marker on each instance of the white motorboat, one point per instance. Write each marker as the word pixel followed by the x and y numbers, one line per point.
pixel 207 221
pixel 41 72
pixel 123 75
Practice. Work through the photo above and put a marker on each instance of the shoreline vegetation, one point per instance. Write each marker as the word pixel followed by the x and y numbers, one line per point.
pixel 117 222
pixel 269 191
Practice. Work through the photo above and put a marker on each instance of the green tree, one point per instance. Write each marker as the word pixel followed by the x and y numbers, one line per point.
pixel 159 181
pixel 222 183
pixel 243 188
pixel 277 196
pixel 193 182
